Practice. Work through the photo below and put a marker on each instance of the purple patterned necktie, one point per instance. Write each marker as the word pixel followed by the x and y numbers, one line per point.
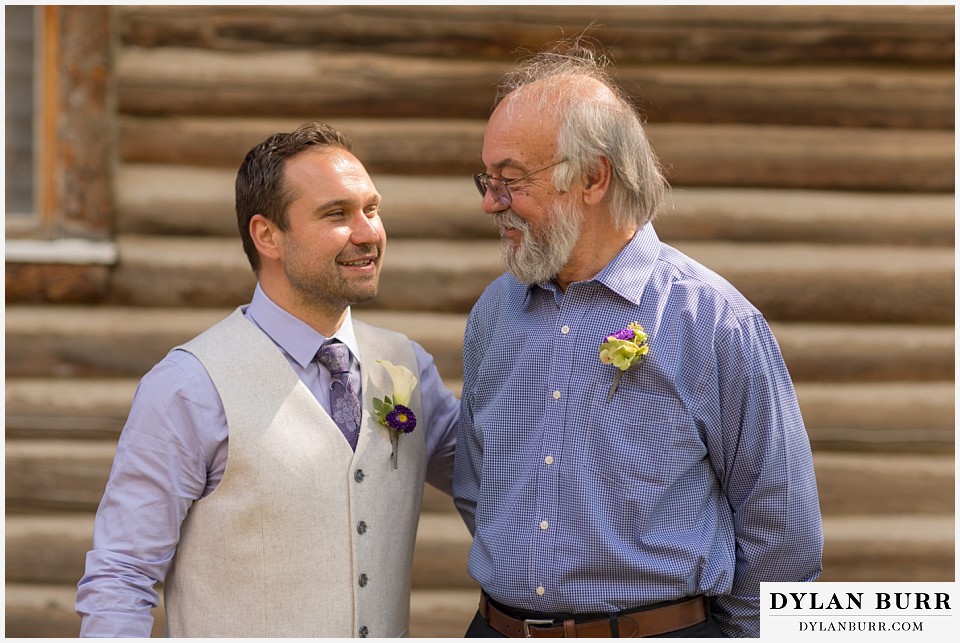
pixel 344 402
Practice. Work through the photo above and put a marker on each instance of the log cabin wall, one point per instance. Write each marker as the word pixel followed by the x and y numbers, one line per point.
pixel 811 152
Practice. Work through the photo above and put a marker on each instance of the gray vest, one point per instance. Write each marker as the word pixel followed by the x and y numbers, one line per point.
pixel 302 537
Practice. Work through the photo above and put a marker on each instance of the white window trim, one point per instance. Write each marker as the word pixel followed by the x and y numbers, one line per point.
pixel 61 251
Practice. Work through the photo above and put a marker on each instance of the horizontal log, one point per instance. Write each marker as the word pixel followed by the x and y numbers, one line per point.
pixel 306 83
pixel 56 475
pixel 859 548
pixel 888 549
pixel 850 353
pixel 203 204
pixel 126 342
pixel 432 207
pixel 41 611
pixel 853 484
pixel 796 95
pixel 805 157
pixel 55 282
pixel 436 501
pixel 167 271
pixel 97 340
pixel 747 156
pixel 70 475
pixel 787 282
pixel 769 34
pixel 109 341
pixel 439 557
pixel 798 282
pixel 46 611
pixel 807 216
pixel 71 408
pixel 50 550
pixel 896 417
pixel 401 146
pixel 442 613
pixel 299 83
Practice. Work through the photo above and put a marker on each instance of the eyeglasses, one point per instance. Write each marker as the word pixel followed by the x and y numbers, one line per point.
pixel 500 187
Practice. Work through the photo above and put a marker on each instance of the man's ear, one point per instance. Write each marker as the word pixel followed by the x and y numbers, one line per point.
pixel 597 182
pixel 265 236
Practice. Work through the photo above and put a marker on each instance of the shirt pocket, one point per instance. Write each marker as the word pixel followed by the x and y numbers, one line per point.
pixel 640 440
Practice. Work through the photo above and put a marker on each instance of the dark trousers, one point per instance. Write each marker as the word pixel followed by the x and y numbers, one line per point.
pixel 480 629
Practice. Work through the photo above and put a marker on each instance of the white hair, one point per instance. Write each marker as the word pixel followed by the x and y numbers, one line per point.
pixel 596 120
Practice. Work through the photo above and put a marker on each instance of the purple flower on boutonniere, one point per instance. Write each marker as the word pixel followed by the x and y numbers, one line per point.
pixel 625 335
pixel 401 419
pixel 394 412
pixel 625 349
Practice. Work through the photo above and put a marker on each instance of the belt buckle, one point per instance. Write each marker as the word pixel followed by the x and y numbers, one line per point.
pixel 527 622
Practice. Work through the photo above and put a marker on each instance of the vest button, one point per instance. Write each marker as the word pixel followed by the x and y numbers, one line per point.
pixel 361 527
pixel 362 580
pixel 364 632
pixel 358 475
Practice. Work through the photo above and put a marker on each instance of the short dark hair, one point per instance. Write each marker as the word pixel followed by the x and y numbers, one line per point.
pixel 260 185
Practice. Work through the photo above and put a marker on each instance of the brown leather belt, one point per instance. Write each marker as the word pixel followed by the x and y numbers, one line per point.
pixel 644 622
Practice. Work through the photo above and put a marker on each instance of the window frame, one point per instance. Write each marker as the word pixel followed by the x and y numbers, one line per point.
pixel 64 249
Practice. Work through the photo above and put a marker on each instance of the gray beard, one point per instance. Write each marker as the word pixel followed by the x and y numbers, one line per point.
pixel 543 252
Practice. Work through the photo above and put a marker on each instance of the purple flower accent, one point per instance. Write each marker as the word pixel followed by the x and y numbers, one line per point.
pixel 626 335
pixel 401 419
pixel 624 349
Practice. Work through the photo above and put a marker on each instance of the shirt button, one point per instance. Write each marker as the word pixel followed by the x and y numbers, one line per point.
pixel 358 475
pixel 548 459
pixel 556 395
pixel 565 329
pixel 363 580
pixel 544 525
pixel 540 590
pixel 364 632
pixel 361 527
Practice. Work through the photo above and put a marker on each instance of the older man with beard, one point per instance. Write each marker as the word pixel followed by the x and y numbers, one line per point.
pixel 257 476
pixel 631 458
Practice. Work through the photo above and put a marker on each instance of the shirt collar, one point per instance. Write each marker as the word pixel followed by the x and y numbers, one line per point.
pixel 627 274
pixel 292 334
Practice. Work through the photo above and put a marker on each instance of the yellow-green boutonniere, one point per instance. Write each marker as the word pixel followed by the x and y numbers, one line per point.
pixel 624 349
pixel 394 412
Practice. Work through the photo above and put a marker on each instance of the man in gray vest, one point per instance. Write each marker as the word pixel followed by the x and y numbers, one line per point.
pixel 305 527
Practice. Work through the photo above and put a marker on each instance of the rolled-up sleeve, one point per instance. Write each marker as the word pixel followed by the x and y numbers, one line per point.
pixel 159 469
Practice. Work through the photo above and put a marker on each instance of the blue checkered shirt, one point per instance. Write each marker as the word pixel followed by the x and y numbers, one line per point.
pixel 696 478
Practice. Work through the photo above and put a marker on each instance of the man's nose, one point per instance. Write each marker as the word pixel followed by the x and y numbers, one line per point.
pixel 365 230
pixel 491 204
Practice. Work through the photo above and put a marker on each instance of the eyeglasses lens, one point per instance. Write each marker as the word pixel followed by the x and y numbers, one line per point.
pixel 481 185
pixel 500 191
